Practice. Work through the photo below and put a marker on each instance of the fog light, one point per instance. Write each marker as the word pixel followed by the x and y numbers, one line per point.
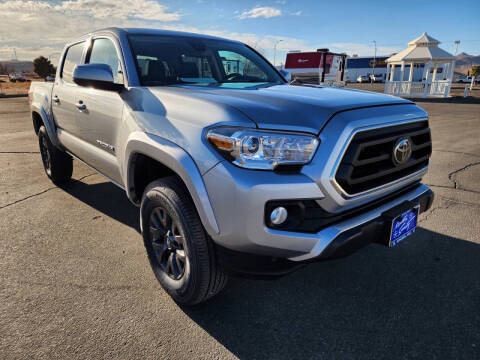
pixel 278 215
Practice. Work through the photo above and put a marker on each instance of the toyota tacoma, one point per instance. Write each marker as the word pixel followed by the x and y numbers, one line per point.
pixel 235 169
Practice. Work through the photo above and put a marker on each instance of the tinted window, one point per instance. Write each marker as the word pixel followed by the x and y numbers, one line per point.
pixel 166 60
pixel 72 59
pixel 104 52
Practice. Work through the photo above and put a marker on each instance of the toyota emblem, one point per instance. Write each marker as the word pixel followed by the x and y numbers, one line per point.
pixel 402 151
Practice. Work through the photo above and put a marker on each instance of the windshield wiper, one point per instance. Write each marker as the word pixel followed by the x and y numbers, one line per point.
pixel 244 81
pixel 171 82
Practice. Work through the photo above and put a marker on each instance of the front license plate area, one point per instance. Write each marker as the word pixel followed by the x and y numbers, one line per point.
pixel 403 226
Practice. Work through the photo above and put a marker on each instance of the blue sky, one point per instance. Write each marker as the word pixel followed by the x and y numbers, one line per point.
pixel 42 26
pixel 390 23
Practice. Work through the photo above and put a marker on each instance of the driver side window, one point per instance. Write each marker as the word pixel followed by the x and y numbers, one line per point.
pixel 104 52
pixel 234 63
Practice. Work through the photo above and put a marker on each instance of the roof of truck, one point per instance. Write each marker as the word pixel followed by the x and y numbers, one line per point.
pixel 143 31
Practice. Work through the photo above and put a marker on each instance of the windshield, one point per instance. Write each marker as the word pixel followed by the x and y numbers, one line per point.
pixel 166 60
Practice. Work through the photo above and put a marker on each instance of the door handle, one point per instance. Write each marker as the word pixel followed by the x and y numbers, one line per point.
pixel 56 99
pixel 80 105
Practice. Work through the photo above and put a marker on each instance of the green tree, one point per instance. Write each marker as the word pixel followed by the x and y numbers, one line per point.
pixel 475 70
pixel 43 67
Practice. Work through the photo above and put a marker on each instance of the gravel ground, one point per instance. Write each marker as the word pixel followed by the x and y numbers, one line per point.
pixel 75 281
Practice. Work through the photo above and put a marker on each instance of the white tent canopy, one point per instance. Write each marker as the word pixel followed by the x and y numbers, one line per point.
pixel 422 50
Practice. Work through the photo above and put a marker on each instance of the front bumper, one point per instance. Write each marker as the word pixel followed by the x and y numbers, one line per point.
pixel 345 242
pixel 238 198
pixel 377 229
pixel 372 226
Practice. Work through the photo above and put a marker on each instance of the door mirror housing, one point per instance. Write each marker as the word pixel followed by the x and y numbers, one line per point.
pixel 286 75
pixel 98 76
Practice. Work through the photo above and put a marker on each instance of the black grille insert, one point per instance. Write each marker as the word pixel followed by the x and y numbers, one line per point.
pixel 368 162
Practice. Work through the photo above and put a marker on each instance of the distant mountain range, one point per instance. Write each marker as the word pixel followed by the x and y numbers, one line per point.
pixel 465 62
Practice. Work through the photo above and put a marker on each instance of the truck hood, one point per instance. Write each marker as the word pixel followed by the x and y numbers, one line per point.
pixel 288 107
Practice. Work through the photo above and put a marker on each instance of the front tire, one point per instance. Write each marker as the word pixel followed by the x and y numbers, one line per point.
pixel 181 253
pixel 58 165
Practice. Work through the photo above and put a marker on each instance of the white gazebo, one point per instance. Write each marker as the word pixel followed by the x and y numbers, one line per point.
pixel 421 52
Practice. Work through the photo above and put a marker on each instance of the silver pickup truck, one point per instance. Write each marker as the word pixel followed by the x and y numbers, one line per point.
pixel 235 170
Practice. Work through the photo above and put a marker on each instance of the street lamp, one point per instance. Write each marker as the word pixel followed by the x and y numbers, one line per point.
pixel 374 59
pixel 275 52
pixel 457 42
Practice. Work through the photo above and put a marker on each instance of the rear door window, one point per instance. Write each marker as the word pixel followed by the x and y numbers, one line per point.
pixel 72 59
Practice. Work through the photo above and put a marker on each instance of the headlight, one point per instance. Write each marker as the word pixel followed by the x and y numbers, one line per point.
pixel 257 149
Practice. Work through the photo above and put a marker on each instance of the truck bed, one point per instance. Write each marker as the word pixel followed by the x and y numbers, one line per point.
pixel 41 92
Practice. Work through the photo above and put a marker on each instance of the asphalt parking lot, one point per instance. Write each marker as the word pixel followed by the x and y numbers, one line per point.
pixel 75 281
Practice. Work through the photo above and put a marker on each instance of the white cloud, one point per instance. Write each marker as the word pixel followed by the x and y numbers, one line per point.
pixel 265 12
pixel 133 9
pixel 42 27
pixel 36 28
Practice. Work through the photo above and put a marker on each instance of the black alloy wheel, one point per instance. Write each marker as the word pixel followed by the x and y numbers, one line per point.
pixel 167 243
pixel 180 251
pixel 46 157
pixel 58 165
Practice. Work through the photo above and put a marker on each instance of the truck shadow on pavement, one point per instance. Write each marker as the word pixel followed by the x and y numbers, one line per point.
pixel 417 300
pixel 106 198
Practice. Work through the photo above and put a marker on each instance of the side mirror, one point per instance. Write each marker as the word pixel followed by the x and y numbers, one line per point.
pixel 286 74
pixel 98 76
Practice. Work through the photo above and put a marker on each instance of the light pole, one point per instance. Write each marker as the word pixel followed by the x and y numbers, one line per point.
pixel 374 59
pixel 457 42
pixel 275 52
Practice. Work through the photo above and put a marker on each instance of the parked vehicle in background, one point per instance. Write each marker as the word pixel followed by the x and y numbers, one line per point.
pixel 464 79
pixel 376 78
pixel 50 78
pixel 362 79
pixel 17 78
pixel 319 67
pixel 235 171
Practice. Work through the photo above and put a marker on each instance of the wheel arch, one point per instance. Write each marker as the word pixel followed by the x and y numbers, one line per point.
pixel 149 157
pixel 37 121
pixel 39 118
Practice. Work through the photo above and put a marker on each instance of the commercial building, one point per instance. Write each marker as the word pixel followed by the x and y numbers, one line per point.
pixel 364 66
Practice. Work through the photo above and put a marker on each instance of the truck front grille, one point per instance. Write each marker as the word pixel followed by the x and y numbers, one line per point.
pixel 368 161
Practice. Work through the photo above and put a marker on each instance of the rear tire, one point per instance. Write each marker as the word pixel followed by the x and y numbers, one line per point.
pixel 58 165
pixel 181 253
